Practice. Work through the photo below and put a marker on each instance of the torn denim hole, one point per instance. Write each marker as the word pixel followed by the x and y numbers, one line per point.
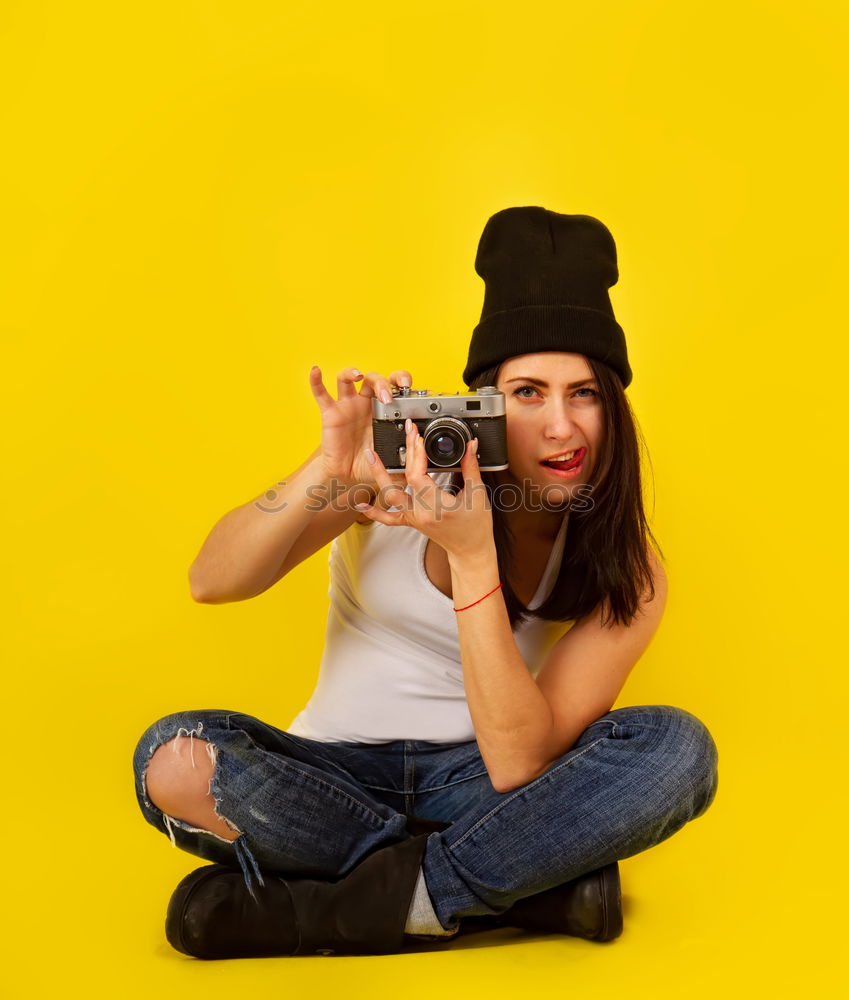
pixel 240 847
pixel 182 731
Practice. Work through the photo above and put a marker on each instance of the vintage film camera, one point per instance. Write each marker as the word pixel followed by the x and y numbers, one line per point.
pixel 446 422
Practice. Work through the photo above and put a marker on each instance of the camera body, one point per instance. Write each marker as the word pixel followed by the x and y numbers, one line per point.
pixel 446 422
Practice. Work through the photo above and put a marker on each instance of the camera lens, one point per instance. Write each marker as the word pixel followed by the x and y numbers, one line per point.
pixel 445 441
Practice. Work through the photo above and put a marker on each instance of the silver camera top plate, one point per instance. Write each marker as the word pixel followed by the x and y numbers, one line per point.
pixel 422 404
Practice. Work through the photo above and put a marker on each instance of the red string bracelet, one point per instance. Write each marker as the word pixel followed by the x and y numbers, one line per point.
pixel 500 585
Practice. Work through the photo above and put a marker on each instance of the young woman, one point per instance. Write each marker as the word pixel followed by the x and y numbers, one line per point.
pixel 459 761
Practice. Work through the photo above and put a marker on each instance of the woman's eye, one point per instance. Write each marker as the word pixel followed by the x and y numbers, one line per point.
pixel 520 392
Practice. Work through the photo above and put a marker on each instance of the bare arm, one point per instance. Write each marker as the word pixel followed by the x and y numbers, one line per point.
pixel 524 725
pixel 255 545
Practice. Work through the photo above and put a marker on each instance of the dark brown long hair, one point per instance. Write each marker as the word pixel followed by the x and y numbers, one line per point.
pixel 605 559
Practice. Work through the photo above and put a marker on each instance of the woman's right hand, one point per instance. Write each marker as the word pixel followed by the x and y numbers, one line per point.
pixel 346 429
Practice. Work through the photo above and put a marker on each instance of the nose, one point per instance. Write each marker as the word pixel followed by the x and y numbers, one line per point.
pixel 558 425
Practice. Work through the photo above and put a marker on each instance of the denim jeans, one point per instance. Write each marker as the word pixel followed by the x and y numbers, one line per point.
pixel 309 809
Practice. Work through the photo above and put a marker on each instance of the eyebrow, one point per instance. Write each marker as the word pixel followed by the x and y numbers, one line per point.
pixel 539 381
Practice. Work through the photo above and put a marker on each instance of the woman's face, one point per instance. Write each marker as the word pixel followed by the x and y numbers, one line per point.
pixel 549 416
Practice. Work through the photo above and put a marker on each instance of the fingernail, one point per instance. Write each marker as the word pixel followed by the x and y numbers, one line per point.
pixel 362 506
pixel 385 396
pixel 405 381
pixel 314 368
pixel 408 425
pixel 370 456
pixel 356 372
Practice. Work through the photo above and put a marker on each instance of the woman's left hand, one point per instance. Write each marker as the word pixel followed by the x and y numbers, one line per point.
pixel 461 524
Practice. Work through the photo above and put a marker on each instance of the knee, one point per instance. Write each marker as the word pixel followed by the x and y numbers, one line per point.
pixel 161 762
pixel 682 751
pixel 173 752
pixel 179 772
pixel 174 772
pixel 693 750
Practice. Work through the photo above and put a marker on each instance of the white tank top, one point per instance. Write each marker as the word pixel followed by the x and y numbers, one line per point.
pixel 391 665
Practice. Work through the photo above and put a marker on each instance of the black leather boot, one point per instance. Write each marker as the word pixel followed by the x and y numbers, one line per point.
pixel 212 915
pixel 589 906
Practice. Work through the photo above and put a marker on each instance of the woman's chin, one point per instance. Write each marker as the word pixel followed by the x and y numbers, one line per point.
pixel 549 496
pixel 563 493
pixel 541 491
pixel 553 497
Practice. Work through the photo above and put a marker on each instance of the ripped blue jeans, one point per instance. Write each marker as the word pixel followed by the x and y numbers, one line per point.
pixel 309 809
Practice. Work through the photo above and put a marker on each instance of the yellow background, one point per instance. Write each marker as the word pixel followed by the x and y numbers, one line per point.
pixel 199 201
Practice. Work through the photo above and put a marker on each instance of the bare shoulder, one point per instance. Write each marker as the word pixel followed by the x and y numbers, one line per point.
pixel 658 572
pixel 657 603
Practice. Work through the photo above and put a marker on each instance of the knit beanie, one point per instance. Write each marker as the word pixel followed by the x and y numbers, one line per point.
pixel 546 278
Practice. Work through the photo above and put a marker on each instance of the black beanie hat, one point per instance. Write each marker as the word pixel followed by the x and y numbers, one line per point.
pixel 546 278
